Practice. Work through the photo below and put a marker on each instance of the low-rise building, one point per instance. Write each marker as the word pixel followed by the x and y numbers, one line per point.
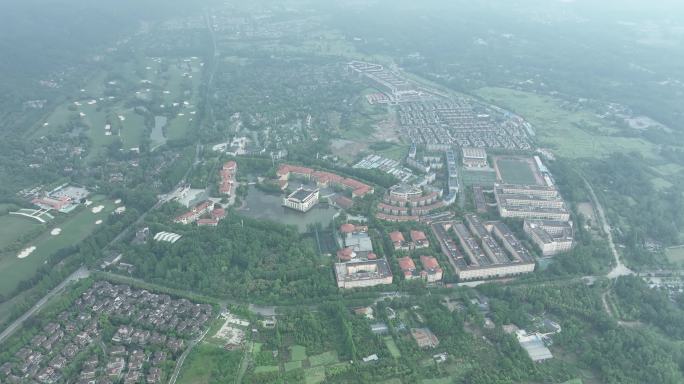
pixel 530 202
pixel 424 338
pixel 398 241
pixel 476 254
pixel 552 237
pixel 408 268
pixel 432 272
pixel 419 239
pixel 364 273
pixel 474 157
pixel 302 200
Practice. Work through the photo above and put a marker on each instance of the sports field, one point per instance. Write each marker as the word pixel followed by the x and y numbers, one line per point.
pixel 515 170
pixel 77 227
pixel 477 177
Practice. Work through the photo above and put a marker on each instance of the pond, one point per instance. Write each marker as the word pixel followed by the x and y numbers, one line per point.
pixel 262 205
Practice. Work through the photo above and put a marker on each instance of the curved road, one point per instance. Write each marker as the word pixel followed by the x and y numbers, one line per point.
pixel 620 269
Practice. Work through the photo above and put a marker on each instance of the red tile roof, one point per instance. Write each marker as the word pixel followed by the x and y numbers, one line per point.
pixel 406 264
pixel 418 236
pixel 396 237
pixel 347 228
pixel 429 262
pixel 345 254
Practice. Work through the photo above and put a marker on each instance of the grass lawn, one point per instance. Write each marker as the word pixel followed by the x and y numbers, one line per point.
pixel 297 353
pixel 266 368
pixel 132 128
pixel 392 347
pixel 77 227
pixel 5 207
pixel 392 381
pixel 571 133
pixel 574 381
pixel 314 375
pixel 516 172
pixel 13 227
pixel 395 152
pixel 324 358
pixel 291 365
pixel 208 364
pixel 256 349
pixel 675 255
pixel 486 178
pixel 178 127
pixel 441 380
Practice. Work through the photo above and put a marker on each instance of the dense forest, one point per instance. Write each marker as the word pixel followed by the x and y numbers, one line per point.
pixel 242 258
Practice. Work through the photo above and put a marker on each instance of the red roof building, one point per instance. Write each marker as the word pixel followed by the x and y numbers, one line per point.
pixel 347 228
pixel 346 254
pixel 419 239
pixel 218 213
pixel 408 267
pixel 432 271
pixel 207 222
pixel 227 173
pixel 324 178
pixel 398 240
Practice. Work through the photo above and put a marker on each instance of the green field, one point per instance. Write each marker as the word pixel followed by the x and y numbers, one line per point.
pixel 574 381
pixel 441 380
pixel 314 375
pixel 75 228
pixel 266 368
pixel 484 178
pixel 297 353
pixel 392 347
pixel 208 364
pixel 570 132
pixel 516 171
pixel 675 255
pixel 324 358
pixel 13 227
pixel 292 365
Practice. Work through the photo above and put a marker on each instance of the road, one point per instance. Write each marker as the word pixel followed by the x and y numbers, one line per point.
pixel 181 359
pixel 80 273
pixel 620 269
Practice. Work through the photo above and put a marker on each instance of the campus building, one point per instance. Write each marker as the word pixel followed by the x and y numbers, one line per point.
pixel 363 273
pixel 530 202
pixel 377 76
pixel 355 243
pixel 550 236
pixel 302 199
pixel 474 253
pixel 404 200
pixel 474 157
